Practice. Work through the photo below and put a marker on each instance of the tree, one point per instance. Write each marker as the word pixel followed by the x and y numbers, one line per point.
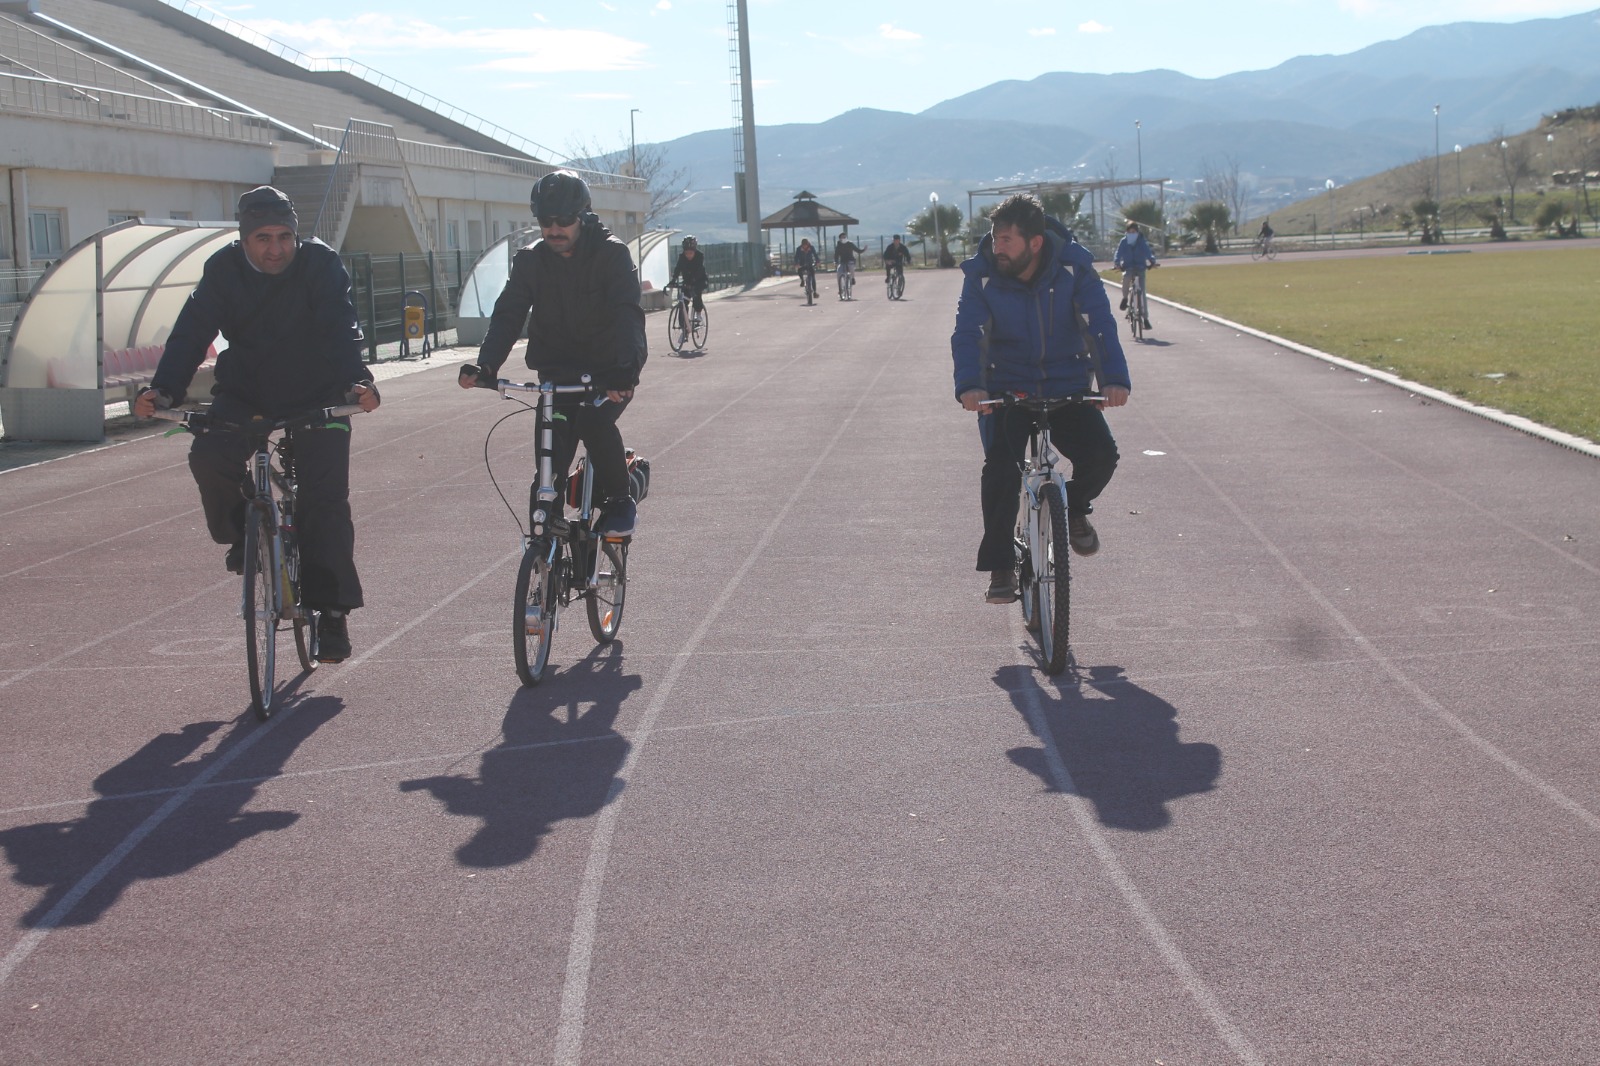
pixel 1516 164
pixel 1062 204
pixel 648 162
pixel 1223 182
pixel 1211 220
pixel 1147 213
pixel 939 222
pixel 1426 211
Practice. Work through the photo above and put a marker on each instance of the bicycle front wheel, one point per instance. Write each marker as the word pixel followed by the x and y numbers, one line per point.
pixel 305 640
pixel 677 336
pixel 611 588
pixel 701 327
pixel 260 608
pixel 1052 568
pixel 1027 578
pixel 897 288
pixel 534 619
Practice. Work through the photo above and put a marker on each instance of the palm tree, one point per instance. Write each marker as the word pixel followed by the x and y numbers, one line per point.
pixel 1147 213
pixel 1211 220
pixel 940 227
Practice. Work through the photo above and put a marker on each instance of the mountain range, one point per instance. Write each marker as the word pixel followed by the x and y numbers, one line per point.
pixel 1289 128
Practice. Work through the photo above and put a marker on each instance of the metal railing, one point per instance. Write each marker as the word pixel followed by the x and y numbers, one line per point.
pixel 87 103
pixel 398 88
pixel 31 53
pixel 449 157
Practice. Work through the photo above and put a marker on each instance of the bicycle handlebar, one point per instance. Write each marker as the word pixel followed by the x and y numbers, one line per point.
pixel 201 421
pixel 505 385
pixel 1041 403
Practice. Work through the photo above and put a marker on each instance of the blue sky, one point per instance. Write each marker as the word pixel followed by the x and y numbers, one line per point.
pixel 568 74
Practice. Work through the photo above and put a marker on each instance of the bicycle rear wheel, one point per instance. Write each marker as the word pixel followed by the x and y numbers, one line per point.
pixel 698 332
pixel 533 623
pixel 260 608
pixel 611 587
pixel 676 335
pixel 810 282
pixel 1051 565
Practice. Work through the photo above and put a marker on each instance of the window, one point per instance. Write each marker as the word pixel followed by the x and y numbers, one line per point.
pixel 452 235
pixel 181 216
pixel 124 216
pixel 496 229
pixel 5 231
pixel 45 230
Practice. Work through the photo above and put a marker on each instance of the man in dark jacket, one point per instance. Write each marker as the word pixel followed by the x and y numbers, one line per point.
pixel 690 269
pixel 294 345
pixel 576 293
pixel 1018 329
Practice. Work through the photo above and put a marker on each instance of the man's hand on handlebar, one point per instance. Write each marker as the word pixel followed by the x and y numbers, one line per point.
pixel 145 404
pixel 365 395
pixel 471 377
pixel 1115 395
pixel 975 399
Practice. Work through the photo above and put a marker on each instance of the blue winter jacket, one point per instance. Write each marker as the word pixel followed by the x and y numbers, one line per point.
pixel 1014 336
pixel 1133 254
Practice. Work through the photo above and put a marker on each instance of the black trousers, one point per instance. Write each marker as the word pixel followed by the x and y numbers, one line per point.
pixel 220 464
pixel 597 428
pixel 1079 433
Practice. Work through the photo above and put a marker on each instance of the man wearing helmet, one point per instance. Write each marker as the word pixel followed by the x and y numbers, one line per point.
pixel 576 293
pixel 690 269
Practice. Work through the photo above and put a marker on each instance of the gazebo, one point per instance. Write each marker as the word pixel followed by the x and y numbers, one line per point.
pixel 807 213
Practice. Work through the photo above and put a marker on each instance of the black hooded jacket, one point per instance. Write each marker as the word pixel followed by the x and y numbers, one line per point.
pixel 581 313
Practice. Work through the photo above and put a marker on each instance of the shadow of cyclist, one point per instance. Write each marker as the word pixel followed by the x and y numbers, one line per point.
pixel 61 856
pixel 1119 743
pixel 558 758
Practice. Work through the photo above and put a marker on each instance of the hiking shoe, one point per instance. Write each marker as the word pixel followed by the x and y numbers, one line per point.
pixel 333 637
pixel 234 560
pixel 1081 535
pixel 618 517
pixel 1002 586
pixel 1123 306
pixel 1146 323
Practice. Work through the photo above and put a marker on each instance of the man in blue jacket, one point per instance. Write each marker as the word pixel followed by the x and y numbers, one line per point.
pixel 1133 257
pixel 1028 295
pixel 294 345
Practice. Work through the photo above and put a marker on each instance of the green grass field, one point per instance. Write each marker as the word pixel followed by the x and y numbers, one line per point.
pixel 1517 330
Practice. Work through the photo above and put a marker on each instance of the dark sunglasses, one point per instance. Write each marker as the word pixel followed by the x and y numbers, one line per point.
pixel 546 221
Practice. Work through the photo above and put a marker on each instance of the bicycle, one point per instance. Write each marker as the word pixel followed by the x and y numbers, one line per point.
pixel 271 549
pixel 564 558
pixel 808 281
pixel 1138 310
pixel 1044 576
pixel 845 278
pixel 895 281
pixel 684 324
pixel 1263 248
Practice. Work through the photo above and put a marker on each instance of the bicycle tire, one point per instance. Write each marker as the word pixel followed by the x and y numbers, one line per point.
pixel 611 588
pixel 899 286
pixel 1052 560
pixel 675 331
pixel 260 610
pixel 533 621
pixel 1135 325
pixel 305 620
pixel 810 285
pixel 699 333
pixel 305 640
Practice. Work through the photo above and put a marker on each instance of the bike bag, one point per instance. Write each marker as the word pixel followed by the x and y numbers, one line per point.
pixel 638 476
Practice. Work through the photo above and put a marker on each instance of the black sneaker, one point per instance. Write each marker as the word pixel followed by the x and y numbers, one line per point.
pixel 618 517
pixel 1002 586
pixel 234 560
pixel 1146 323
pixel 1123 306
pixel 333 637
pixel 1081 535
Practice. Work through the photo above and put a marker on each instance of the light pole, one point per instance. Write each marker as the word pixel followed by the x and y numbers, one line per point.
pixel 938 230
pixel 1438 193
pixel 633 154
pixel 1138 138
pixel 1458 192
pixel 1333 222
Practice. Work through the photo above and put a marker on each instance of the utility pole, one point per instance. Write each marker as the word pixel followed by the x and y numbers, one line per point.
pixel 747 183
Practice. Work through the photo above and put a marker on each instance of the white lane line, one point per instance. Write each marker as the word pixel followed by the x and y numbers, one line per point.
pixel 1083 814
pixel 1384 662
pixel 86 884
pixel 580 952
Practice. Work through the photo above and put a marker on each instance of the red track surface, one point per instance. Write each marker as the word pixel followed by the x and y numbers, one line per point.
pixel 1322 787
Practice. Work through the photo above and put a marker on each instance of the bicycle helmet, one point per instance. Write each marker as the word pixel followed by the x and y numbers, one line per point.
pixel 690 242
pixel 561 192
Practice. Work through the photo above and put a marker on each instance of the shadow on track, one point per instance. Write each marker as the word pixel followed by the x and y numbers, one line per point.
pixel 1120 746
pixel 556 760
pixel 59 856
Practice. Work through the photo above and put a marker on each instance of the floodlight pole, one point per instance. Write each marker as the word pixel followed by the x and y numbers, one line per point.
pixel 752 184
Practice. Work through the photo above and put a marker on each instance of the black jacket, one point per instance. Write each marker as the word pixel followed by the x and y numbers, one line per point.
pixel 294 342
pixel 582 313
pixel 692 271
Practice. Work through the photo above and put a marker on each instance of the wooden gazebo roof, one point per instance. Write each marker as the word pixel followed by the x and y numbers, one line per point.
pixel 807 212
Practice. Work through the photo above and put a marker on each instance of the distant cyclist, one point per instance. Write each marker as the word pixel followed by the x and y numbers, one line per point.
pixel 805 262
pixel 691 268
pixel 895 257
pixel 1133 257
pixel 845 252
pixel 1264 238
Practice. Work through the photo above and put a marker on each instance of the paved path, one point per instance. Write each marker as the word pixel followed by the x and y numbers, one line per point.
pixel 1321 788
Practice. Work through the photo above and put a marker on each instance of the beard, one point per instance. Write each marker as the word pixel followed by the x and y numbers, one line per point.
pixel 1015 268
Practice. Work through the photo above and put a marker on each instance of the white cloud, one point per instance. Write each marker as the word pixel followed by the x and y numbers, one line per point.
pixel 890 32
pixel 661 5
pixel 527 49
pixel 1092 27
pixel 1043 31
